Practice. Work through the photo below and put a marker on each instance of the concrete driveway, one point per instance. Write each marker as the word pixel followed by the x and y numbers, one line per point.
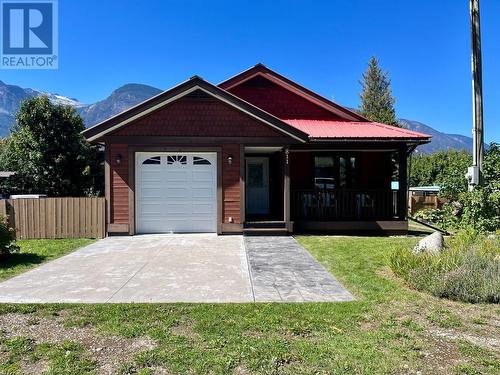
pixel 178 268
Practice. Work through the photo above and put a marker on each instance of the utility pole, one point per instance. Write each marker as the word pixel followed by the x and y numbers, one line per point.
pixel 474 173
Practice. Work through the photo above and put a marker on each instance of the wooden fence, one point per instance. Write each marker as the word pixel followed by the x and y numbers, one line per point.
pixel 418 202
pixel 55 217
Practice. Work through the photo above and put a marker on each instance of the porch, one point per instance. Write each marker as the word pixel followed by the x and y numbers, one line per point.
pixel 286 189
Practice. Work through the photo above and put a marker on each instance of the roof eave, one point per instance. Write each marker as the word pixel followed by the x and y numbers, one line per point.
pixel 370 139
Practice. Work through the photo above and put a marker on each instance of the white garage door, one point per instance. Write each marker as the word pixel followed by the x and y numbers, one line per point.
pixel 176 192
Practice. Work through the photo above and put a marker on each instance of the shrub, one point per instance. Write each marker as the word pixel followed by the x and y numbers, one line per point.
pixel 8 243
pixel 468 269
pixel 430 215
pixel 478 210
pixel 481 210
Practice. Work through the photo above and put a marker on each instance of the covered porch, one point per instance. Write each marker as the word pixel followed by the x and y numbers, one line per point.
pixel 310 189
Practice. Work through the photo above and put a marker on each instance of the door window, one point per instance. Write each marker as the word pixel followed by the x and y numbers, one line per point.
pixel 255 175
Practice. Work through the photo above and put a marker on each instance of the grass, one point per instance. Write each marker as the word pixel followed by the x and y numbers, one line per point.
pixel 468 269
pixel 389 329
pixel 34 252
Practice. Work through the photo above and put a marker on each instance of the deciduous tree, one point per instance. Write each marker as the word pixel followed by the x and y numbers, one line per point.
pixel 48 153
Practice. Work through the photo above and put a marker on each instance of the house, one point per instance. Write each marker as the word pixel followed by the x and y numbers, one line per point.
pixel 425 191
pixel 255 153
pixel 424 198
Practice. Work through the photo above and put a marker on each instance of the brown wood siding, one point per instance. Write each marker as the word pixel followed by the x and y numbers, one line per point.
pixel 198 117
pixel 279 101
pixel 119 184
pixel 231 183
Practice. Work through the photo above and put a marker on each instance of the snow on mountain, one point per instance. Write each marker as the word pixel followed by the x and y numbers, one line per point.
pixel 59 99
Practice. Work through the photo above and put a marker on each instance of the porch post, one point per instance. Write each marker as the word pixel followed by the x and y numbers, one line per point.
pixel 403 184
pixel 242 184
pixel 107 185
pixel 286 189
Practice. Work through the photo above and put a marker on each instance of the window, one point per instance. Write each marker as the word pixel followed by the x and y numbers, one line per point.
pixel 154 160
pixel 352 170
pixel 200 161
pixel 181 159
pixel 255 175
pixel 342 171
pixel 324 172
pixel 334 172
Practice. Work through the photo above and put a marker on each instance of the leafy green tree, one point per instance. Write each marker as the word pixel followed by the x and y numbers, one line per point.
pixel 447 169
pixel 377 102
pixel 491 167
pixel 444 168
pixel 479 209
pixel 49 154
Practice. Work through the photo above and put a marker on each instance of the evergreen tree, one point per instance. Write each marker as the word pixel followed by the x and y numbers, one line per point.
pixel 377 102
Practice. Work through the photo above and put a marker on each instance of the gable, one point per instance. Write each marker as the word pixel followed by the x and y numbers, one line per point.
pixel 279 101
pixel 289 99
pixel 202 107
pixel 198 114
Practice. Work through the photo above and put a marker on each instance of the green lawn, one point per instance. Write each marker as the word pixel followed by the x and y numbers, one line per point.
pixel 388 330
pixel 35 252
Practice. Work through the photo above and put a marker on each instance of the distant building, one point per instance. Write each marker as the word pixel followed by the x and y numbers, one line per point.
pixel 425 191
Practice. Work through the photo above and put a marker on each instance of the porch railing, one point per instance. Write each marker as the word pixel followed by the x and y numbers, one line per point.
pixel 342 204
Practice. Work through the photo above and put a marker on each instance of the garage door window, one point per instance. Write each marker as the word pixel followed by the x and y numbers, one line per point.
pixel 153 160
pixel 181 159
pixel 200 161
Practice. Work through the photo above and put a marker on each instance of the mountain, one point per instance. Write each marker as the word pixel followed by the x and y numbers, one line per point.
pixel 440 141
pixel 121 99
pixel 131 94
pixel 11 97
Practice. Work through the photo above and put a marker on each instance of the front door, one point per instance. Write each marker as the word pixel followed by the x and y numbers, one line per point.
pixel 257 185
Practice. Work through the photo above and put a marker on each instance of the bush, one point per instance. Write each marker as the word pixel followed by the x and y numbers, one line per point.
pixel 477 210
pixel 467 270
pixel 8 243
pixel 481 210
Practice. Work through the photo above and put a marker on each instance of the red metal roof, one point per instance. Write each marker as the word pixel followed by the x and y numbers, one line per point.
pixel 353 129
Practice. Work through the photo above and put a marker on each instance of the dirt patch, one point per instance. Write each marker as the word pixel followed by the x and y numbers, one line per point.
pixel 241 370
pixel 441 357
pixel 490 343
pixel 38 367
pixel 185 330
pixel 110 352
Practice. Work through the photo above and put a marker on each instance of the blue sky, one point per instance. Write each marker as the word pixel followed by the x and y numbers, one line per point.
pixel 325 45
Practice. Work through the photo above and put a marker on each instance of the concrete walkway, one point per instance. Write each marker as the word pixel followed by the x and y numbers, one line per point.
pixel 282 270
pixel 179 268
